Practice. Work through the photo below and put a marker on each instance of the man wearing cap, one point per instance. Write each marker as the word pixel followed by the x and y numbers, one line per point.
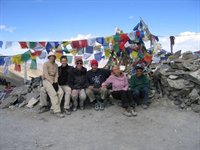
pixel 50 84
pixel 78 84
pixel 95 78
pixel 140 85
pixel 64 81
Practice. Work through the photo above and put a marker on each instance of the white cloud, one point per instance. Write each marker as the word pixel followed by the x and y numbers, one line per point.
pixel 185 41
pixel 14 50
pixel 7 29
pixel 81 37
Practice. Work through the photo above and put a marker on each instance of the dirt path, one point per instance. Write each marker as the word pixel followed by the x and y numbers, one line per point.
pixel 157 128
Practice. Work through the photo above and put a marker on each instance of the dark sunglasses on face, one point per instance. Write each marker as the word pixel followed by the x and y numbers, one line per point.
pixel 79 63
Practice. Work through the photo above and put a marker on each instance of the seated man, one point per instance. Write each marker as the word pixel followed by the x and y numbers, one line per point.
pixel 140 85
pixel 78 84
pixel 95 78
pixel 64 81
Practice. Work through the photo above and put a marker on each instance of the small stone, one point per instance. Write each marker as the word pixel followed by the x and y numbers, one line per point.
pixel 8 101
pixel 189 55
pixel 22 104
pixel 178 84
pixel 190 66
pixel 173 77
pixel 196 108
pixel 182 105
pixel 12 107
pixel 189 108
pixel 32 102
pixel 177 102
pixel 194 96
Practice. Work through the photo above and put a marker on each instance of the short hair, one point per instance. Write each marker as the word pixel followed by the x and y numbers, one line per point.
pixel 63 57
pixel 116 66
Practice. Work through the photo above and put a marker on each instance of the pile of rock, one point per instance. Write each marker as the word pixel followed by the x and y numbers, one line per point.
pixel 24 95
pixel 179 79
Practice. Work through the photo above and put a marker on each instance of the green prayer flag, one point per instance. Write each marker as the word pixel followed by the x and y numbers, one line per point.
pixel 26 56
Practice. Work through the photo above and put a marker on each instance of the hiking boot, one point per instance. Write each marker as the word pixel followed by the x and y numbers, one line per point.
pixel 75 109
pixel 68 112
pixel 59 115
pixel 127 113
pixel 133 112
pixel 97 106
pixel 144 106
pixel 101 106
pixel 42 110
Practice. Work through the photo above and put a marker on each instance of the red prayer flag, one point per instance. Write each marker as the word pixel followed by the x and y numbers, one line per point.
pixel 23 45
pixel 75 44
pixel 43 44
pixel 83 43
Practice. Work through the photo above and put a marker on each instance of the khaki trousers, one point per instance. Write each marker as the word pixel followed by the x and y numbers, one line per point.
pixel 55 97
pixel 91 93
pixel 82 97
pixel 67 90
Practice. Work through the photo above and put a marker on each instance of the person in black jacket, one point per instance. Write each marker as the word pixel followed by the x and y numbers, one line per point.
pixel 64 81
pixel 95 77
pixel 78 84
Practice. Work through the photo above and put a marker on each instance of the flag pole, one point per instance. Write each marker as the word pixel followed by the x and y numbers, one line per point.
pixel 25 72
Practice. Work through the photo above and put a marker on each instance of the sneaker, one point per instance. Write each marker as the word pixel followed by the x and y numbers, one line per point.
pixel 126 113
pixel 51 111
pixel 101 106
pixel 133 112
pixel 97 106
pixel 144 106
pixel 59 115
pixel 68 112
pixel 81 107
pixel 75 109
pixel 42 110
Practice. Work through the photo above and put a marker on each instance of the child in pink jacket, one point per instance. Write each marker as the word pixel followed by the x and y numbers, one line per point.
pixel 120 90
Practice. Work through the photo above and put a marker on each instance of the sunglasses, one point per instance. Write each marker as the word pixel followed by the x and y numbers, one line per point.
pixel 79 63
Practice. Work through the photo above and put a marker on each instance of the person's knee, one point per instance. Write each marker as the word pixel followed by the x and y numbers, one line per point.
pixel 89 92
pixel 145 89
pixel 136 92
pixel 104 90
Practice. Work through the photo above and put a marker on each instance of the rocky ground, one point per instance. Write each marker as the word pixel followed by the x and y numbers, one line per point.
pixel 163 126
pixel 172 122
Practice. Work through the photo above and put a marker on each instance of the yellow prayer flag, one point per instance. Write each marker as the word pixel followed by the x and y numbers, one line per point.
pixel 74 52
pixel 109 39
pixel 134 54
pixel 65 43
pixel 16 59
pixel 107 53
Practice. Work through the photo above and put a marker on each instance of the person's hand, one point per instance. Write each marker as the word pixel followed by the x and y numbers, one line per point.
pixel 103 86
pixel 90 87
pixel 55 86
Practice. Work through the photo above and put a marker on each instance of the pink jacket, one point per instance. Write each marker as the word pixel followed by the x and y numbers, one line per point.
pixel 118 83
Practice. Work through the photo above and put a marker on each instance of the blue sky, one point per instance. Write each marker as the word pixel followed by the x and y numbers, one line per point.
pixel 36 20
pixel 62 19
